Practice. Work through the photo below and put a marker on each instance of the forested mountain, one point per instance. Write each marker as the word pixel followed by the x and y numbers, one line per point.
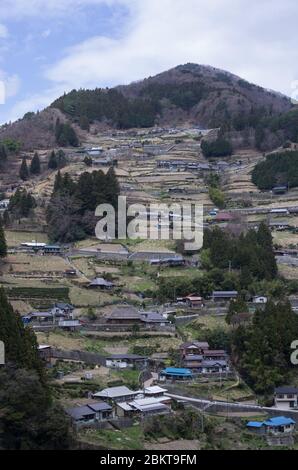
pixel 185 95
pixel 198 94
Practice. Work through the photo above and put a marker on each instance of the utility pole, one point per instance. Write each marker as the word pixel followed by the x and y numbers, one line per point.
pixel 230 266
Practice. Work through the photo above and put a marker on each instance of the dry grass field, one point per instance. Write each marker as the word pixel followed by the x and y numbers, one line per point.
pixel 14 238
pixel 25 263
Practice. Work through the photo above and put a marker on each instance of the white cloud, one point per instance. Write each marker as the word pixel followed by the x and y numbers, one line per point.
pixel 3 31
pixel 258 42
pixel 162 34
pixel 12 84
pixel 46 33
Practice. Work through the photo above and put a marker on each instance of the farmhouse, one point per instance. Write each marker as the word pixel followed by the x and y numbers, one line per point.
pixel 282 211
pixel 215 355
pixel 100 283
pixel 90 414
pixel 70 325
pixel 286 398
pixel 117 394
pixel 175 373
pixel 124 315
pixel 280 190
pixel 214 367
pixel 40 317
pixel 62 310
pixel 129 315
pixel 193 361
pixel 193 348
pixel 52 250
pixel 144 407
pixel 124 361
pixel 194 300
pixel 224 295
pixel 170 262
pixel 274 426
pixel 154 391
pixel 224 217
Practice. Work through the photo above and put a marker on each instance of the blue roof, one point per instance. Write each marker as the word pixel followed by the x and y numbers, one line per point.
pixel 279 421
pixel 176 371
pixel 255 424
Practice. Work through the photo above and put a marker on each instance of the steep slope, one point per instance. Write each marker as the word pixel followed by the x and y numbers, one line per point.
pixel 190 93
pixel 185 95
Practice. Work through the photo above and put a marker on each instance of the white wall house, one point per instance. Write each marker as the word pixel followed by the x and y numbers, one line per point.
pixel 286 398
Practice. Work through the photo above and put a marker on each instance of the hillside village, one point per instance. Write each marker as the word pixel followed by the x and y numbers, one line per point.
pixel 130 331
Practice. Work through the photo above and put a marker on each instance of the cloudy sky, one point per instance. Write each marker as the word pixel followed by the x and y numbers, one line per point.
pixel 51 46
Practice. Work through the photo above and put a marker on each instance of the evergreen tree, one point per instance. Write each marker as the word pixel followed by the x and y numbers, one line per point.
pixel 58 182
pixel 61 159
pixel 6 218
pixel 3 246
pixel 3 156
pixel 35 165
pixel 52 163
pixel 84 123
pixel 24 172
pixel 21 346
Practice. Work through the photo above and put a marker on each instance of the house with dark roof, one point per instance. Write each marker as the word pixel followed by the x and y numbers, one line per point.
pixel 222 217
pixel 124 314
pixel 193 348
pixel 128 315
pixel 224 295
pixel 61 309
pixel 215 355
pixel 193 361
pixel 214 367
pixel 101 283
pixel 286 398
pixel 90 414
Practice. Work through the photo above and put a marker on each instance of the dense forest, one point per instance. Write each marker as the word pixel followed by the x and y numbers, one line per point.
pixel 217 148
pixel 262 349
pixel 30 418
pixel 71 211
pixel 277 169
pixel 245 263
pixel 111 106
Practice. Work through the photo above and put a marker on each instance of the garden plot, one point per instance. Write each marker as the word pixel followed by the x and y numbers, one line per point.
pixel 15 238
pixel 24 264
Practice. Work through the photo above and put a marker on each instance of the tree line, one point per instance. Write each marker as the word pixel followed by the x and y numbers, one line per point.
pixel 278 169
pixel 71 210
pixel 30 418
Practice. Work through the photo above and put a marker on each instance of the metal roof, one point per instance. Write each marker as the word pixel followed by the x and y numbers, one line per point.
pixel 154 389
pixel 286 390
pixel 80 412
pixel 100 406
pixel 279 421
pixel 115 392
pixel 177 371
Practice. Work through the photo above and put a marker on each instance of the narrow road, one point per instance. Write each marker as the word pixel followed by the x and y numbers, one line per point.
pixel 218 406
